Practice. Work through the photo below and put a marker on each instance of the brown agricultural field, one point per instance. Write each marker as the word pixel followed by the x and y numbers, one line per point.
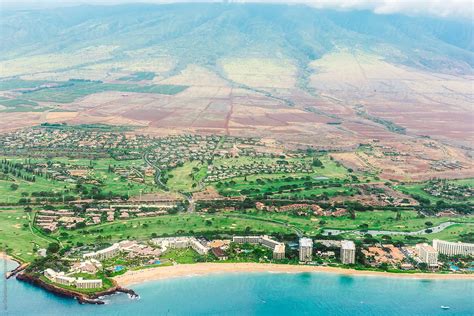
pixel 350 99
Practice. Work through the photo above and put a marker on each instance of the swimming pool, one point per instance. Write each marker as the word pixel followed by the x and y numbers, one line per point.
pixel 118 268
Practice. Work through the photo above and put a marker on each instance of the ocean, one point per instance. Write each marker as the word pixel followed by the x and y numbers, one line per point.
pixel 259 294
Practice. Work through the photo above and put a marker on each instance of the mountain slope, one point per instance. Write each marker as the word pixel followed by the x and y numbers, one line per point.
pixel 334 79
pixel 204 33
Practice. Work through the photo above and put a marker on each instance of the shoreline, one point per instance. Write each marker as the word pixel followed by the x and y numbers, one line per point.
pixel 201 269
pixel 6 256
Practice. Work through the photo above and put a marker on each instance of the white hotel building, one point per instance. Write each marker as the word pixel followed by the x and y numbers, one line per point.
pixel 427 254
pixel 103 254
pixel 277 247
pixel 181 242
pixel 348 252
pixel 58 277
pixel 306 249
pixel 80 283
pixel 453 248
pixel 88 284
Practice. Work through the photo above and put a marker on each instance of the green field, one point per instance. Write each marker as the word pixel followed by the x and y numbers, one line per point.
pixel 183 178
pixel 377 220
pixel 329 180
pixel 20 84
pixel 109 182
pixel 181 256
pixel 68 91
pixel 15 234
pixel 16 102
pixel 139 76
pixel 417 189
pixel 171 225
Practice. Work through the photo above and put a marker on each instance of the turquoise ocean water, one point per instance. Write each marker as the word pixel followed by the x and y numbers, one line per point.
pixel 260 294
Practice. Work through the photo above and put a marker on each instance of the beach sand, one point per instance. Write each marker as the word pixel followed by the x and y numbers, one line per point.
pixel 183 270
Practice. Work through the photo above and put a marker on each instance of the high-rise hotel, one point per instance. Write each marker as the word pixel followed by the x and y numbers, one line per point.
pixel 348 252
pixel 306 249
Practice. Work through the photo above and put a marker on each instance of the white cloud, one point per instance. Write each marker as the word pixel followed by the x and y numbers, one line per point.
pixel 441 8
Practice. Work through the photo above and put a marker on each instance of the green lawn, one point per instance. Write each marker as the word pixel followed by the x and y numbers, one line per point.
pixel 20 239
pixel 71 90
pixel 182 177
pixel 16 102
pixel 20 84
pixel 376 220
pixel 7 195
pixel 110 181
pixel 385 220
pixel 417 189
pixel 139 76
pixel 452 233
pixel 235 222
pixel 327 179
pixel 181 256
pixel 170 225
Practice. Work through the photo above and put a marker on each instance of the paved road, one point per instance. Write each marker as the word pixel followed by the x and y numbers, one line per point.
pixel 434 229
pixel 189 197
pixel 157 170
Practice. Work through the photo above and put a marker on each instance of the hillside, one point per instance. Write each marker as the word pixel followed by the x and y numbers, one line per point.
pixel 330 79
pixel 205 33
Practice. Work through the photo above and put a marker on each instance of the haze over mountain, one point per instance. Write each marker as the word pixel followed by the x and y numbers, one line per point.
pixel 330 78
pixel 205 33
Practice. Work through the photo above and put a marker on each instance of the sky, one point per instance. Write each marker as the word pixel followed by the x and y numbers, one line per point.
pixel 440 8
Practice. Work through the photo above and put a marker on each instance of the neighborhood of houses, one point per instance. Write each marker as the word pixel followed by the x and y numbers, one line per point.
pixel 52 220
pixel 302 209
pixel 449 190
pixel 155 153
pixel 223 172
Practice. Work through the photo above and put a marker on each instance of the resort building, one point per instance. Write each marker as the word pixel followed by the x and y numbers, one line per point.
pixel 91 266
pixel 268 242
pixel 246 239
pixel 306 249
pixel 198 247
pixel 348 252
pixel 279 251
pixel 104 253
pixel 219 253
pixel 181 242
pixel 80 283
pixel 134 249
pixel 41 252
pixel 453 248
pixel 50 274
pixel 427 254
pixel 88 284
pixel 264 240
pixel 58 277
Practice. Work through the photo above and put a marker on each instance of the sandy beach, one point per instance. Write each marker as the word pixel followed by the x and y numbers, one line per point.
pixel 5 256
pixel 184 270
